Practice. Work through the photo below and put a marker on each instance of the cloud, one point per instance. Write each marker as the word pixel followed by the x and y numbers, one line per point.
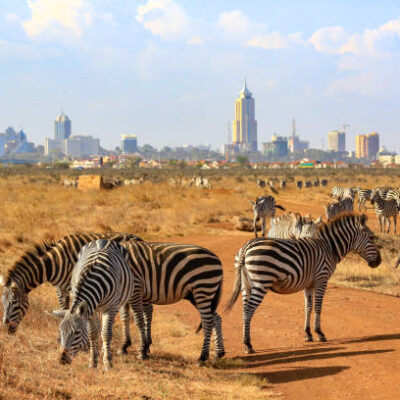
pixel 163 18
pixel 57 17
pixel 238 26
pixel 329 39
pixel 11 17
pixel 275 41
pixel 196 40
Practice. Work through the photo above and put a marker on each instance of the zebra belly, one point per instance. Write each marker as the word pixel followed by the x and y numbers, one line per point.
pixel 287 286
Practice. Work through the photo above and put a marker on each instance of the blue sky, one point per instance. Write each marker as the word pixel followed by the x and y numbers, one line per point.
pixel 169 71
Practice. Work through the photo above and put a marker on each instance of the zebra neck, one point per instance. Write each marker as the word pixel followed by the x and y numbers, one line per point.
pixel 339 242
pixel 78 300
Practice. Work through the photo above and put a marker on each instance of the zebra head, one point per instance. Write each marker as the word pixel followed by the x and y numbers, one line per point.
pixel 364 242
pixel 73 331
pixel 15 304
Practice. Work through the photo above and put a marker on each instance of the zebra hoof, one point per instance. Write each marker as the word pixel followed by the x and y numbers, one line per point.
pixel 201 363
pixel 309 339
pixel 219 354
pixel 249 350
pixel 322 338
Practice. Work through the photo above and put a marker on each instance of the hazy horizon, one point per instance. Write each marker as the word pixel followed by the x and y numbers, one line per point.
pixel 170 71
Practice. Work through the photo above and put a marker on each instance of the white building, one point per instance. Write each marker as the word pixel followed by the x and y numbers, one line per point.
pixel 80 146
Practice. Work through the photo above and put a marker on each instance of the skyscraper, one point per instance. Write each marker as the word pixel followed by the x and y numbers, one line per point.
pixel 244 128
pixel 336 141
pixel 62 127
pixel 129 144
pixel 367 146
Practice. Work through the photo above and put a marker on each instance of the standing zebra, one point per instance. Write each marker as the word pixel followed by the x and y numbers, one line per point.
pixel 293 226
pixel 343 193
pixel 384 210
pixel 342 206
pixel 47 262
pixel 299 184
pixel 282 184
pixel 363 196
pixel 324 182
pixel 288 266
pixel 309 184
pixel 260 183
pixel 102 281
pixel 263 207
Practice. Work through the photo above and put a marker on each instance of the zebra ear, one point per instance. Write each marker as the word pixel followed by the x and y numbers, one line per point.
pixel 2 280
pixel 253 203
pixel 318 220
pixel 57 313
pixel 82 309
pixel 363 219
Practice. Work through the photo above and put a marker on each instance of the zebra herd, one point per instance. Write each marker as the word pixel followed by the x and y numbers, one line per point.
pixel 99 275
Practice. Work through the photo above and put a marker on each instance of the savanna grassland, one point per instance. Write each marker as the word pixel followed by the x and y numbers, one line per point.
pixel 36 207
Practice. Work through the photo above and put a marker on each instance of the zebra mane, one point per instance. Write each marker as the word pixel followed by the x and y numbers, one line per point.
pixel 346 216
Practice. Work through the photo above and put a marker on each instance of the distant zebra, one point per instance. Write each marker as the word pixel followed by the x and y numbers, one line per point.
pixel 263 207
pixel 316 183
pixel 260 183
pixel 299 184
pixel 392 194
pixel 343 193
pixel 102 281
pixel 384 210
pixel 363 196
pixel 50 262
pixel 308 184
pixel 282 184
pixel 289 265
pixel 293 226
pixel 324 182
pixel 342 206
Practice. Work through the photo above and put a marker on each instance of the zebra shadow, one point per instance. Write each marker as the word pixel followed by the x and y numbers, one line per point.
pixel 288 357
pixel 373 338
pixel 299 374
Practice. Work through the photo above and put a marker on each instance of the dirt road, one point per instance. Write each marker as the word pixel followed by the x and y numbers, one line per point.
pixel 361 359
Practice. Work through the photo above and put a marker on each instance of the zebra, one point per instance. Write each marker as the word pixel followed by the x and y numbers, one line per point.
pixel 324 182
pixel 290 265
pixel 260 183
pixel 343 193
pixel 282 184
pixel 316 183
pixel 392 194
pixel 170 272
pixel 47 262
pixel 102 281
pixel 363 196
pixel 299 184
pixel 263 207
pixel 384 210
pixel 309 184
pixel 339 207
pixel 292 226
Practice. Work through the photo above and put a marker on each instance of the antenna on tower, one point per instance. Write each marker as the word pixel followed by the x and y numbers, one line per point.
pixel 293 127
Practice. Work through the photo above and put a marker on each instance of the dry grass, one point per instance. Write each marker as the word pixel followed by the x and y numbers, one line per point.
pixel 37 208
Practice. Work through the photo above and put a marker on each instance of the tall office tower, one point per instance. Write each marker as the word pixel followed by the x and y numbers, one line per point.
pixel 336 141
pixel 62 127
pixel 244 128
pixel 367 146
pixel 129 144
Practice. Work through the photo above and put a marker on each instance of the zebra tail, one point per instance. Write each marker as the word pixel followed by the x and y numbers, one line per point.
pixel 280 207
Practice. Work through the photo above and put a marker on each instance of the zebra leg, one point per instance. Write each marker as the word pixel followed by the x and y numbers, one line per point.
pixel 106 336
pixel 395 223
pixel 124 314
pixel 148 317
pixel 93 332
pixel 63 300
pixel 249 308
pixel 308 303
pixel 137 307
pixel 263 226
pixel 389 223
pixel 219 340
pixel 207 322
pixel 380 223
pixel 255 226
pixel 319 297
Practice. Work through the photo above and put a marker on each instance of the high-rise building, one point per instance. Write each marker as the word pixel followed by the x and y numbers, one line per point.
pixel 79 146
pixel 294 142
pixel 62 127
pixel 244 128
pixel 129 144
pixel 336 141
pixel 277 147
pixel 367 146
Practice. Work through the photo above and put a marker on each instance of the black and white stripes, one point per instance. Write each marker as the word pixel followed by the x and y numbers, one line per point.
pixel 264 207
pixel 287 266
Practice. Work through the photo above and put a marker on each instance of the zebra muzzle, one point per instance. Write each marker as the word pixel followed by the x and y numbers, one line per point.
pixel 65 358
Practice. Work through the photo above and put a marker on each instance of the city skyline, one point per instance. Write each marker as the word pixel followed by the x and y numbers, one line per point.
pixel 168 70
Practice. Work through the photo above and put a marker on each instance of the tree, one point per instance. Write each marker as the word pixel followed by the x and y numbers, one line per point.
pixel 242 160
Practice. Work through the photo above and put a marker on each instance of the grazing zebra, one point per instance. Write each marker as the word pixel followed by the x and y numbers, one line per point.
pixel 260 183
pixel 168 273
pixel 263 207
pixel 363 196
pixel 343 193
pixel 102 281
pixel 342 206
pixel 384 210
pixel 308 184
pixel 299 184
pixel 293 226
pixel 48 262
pixel 324 182
pixel 290 265
pixel 282 184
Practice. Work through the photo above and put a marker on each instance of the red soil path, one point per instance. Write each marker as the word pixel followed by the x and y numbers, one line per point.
pixel 361 359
